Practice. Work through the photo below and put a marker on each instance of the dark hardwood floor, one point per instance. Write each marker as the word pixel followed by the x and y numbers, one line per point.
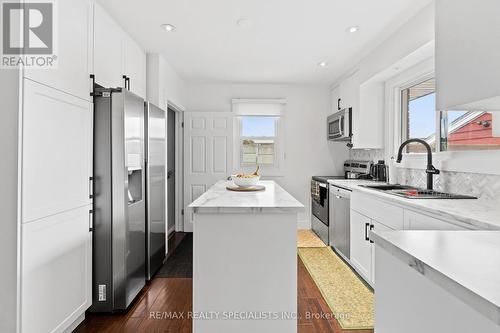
pixel 148 314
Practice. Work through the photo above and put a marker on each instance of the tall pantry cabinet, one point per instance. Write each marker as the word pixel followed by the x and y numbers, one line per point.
pixel 56 180
pixel 48 124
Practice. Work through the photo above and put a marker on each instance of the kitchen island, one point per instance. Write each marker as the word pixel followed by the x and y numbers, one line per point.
pixel 245 260
pixel 437 281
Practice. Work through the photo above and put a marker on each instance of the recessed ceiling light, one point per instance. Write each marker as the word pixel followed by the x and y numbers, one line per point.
pixel 353 29
pixel 244 23
pixel 168 27
pixel 322 64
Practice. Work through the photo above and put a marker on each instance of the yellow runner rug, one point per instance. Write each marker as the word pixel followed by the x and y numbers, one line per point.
pixel 350 300
pixel 307 238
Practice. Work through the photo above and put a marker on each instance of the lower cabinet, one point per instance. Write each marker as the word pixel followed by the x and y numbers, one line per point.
pixel 370 213
pixel 361 248
pixel 56 271
pixel 378 227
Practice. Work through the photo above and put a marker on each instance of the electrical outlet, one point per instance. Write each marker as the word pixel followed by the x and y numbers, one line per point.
pixel 102 293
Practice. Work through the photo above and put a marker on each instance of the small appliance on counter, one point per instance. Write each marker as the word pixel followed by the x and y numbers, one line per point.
pixel 379 171
pixel 357 169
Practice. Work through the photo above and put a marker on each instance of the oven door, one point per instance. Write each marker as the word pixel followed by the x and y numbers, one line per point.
pixel 319 204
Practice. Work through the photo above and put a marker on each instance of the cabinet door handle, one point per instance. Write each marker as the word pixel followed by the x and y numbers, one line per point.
pixel 92 84
pixel 91 187
pixel 371 228
pixel 338 103
pixel 367 225
pixel 126 82
pixel 91 220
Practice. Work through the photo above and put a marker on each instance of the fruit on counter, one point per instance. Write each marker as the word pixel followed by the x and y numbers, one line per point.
pixel 256 173
pixel 242 175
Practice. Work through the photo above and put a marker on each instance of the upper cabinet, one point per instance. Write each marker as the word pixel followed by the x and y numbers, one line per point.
pixel 135 67
pixel 335 99
pixel 73 50
pixel 108 50
pixel 367 102
pixel 467 53
pixel 345 95
pixel 117 55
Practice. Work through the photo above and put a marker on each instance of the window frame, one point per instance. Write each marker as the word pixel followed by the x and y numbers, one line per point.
pixel 275 138
pixel 474 161
pixel 403 124
pixel 278 169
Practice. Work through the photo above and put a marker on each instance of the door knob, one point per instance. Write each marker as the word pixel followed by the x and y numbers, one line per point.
pixel 169 174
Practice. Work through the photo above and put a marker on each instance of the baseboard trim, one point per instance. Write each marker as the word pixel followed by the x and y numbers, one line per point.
pixel 169 232
pixel 75 324
pixel 303 224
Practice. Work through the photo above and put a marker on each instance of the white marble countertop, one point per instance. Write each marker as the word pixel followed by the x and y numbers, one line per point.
pixel 480 214
pixel 350 184
pixel 466 263
pixel 220 200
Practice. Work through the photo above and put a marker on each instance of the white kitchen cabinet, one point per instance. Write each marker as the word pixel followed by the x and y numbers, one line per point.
pixel 56 271
pixel 108 50
pixel 135 66
pixel 73 51
pixel 417 221
pixel 335 99
pixel 57 151
pixel 361 248
pixel 349 92
pixel 117 55
pixel 378 210
pixel 467 53
pixel 367 101
pixel 376 226
pixel 369 117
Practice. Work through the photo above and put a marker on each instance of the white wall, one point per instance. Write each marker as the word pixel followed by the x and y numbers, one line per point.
pixel 9 136
pixel 307 150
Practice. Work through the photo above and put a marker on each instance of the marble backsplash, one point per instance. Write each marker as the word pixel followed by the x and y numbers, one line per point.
pixel 484 186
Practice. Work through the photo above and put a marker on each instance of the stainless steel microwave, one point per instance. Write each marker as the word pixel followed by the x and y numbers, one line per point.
pixel 339 125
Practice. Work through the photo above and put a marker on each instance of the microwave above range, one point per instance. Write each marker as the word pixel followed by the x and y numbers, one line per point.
pixel 339 125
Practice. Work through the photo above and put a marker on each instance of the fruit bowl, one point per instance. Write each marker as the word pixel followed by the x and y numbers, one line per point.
pixel 245 180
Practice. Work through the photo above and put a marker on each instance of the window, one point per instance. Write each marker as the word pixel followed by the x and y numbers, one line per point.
pixel 470 130
pixel 258 140
pixel 258 135
pixel 418 107
pixel 459 130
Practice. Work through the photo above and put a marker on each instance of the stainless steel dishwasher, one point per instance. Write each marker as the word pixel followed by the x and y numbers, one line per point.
pixel 340 221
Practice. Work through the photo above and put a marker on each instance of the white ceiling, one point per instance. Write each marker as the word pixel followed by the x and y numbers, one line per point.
pixel 286 41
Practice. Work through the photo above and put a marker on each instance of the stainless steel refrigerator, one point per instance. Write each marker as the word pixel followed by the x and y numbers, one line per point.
pixel 119 244
pixel 155 134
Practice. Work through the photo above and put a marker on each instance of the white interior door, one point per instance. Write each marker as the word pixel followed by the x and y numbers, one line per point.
pixel 208 146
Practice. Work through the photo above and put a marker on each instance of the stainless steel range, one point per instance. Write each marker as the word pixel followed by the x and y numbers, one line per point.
pixel 320 196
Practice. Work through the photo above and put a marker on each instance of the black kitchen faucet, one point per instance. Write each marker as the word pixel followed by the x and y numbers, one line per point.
pixel 431 170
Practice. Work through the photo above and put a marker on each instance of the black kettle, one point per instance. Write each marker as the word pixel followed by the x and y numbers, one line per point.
pixel 379 171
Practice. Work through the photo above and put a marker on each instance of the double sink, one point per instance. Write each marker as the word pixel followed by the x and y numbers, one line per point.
pixel 415 193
